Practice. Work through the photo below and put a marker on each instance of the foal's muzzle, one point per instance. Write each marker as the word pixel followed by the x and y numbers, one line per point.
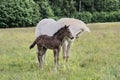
pixel 72 38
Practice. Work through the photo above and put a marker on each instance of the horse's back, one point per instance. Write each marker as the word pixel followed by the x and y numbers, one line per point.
pixel 47 27
pixel 76 26
pixel 50 26
pixel 73 23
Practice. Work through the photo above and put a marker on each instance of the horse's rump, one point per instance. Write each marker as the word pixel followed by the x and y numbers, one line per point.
pixel 46 27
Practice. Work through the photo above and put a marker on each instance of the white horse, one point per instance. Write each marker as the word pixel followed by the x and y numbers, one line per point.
pixel 77 27
pixel 50 26
pixel 46 27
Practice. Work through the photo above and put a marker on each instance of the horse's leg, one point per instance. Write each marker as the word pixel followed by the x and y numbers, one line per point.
pixel 64 48
pixel 68 51
pixel 37 56
pixel 44 58
pixel 44 54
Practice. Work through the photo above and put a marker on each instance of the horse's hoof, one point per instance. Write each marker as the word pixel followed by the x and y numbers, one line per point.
pixel 67 66
pixel 55 69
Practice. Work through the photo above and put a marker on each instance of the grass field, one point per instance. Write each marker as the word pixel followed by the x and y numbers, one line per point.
pixel 94 56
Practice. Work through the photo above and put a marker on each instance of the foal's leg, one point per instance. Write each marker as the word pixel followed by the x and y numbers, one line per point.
pixel 39 55
pixel 58 51
pixel 39 58
pixel 56 59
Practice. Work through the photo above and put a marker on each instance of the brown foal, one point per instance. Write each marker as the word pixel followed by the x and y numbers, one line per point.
pixel 54 42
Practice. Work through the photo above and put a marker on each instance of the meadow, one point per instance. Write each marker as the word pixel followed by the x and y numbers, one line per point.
pixel 94 55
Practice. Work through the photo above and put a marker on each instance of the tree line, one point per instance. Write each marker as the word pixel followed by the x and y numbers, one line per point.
pixel 25 13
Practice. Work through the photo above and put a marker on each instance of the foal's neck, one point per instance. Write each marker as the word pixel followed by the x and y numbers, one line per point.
pixel 59 36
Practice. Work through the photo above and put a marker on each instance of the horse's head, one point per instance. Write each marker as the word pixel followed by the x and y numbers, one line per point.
pixel 67 32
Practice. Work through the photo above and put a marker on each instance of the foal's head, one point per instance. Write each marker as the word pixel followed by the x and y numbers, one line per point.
pixel 64 32
pixel 67 32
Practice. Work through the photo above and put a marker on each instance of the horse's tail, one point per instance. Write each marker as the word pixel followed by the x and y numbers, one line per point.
pixel 32 45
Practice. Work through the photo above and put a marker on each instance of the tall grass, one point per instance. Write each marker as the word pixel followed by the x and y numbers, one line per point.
pixel 94 56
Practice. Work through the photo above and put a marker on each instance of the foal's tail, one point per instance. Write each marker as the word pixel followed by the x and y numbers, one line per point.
pixel 32 45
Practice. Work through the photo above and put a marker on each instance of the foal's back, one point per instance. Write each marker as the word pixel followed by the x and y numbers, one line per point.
pixel 49 42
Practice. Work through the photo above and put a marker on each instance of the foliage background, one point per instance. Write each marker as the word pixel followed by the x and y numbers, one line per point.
pixel 24 13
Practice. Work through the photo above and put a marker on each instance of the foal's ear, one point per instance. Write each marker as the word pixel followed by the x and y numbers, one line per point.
pixel 67 26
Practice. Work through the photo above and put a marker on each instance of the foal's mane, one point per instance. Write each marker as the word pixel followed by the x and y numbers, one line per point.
pixel 59 31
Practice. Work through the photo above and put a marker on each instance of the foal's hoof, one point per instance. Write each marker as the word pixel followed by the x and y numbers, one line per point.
pixel 41 68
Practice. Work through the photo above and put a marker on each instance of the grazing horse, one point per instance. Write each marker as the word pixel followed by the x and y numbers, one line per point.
pixel 50 26
pixel 54 42
pixel 77 27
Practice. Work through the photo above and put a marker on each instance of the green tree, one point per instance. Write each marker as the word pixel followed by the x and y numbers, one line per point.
pixel 68 8
pixel 18 13
pixel 107 5
pixel 45 8
pixel 63 8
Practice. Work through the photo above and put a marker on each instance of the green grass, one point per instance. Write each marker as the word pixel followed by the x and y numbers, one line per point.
pixel 94 56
